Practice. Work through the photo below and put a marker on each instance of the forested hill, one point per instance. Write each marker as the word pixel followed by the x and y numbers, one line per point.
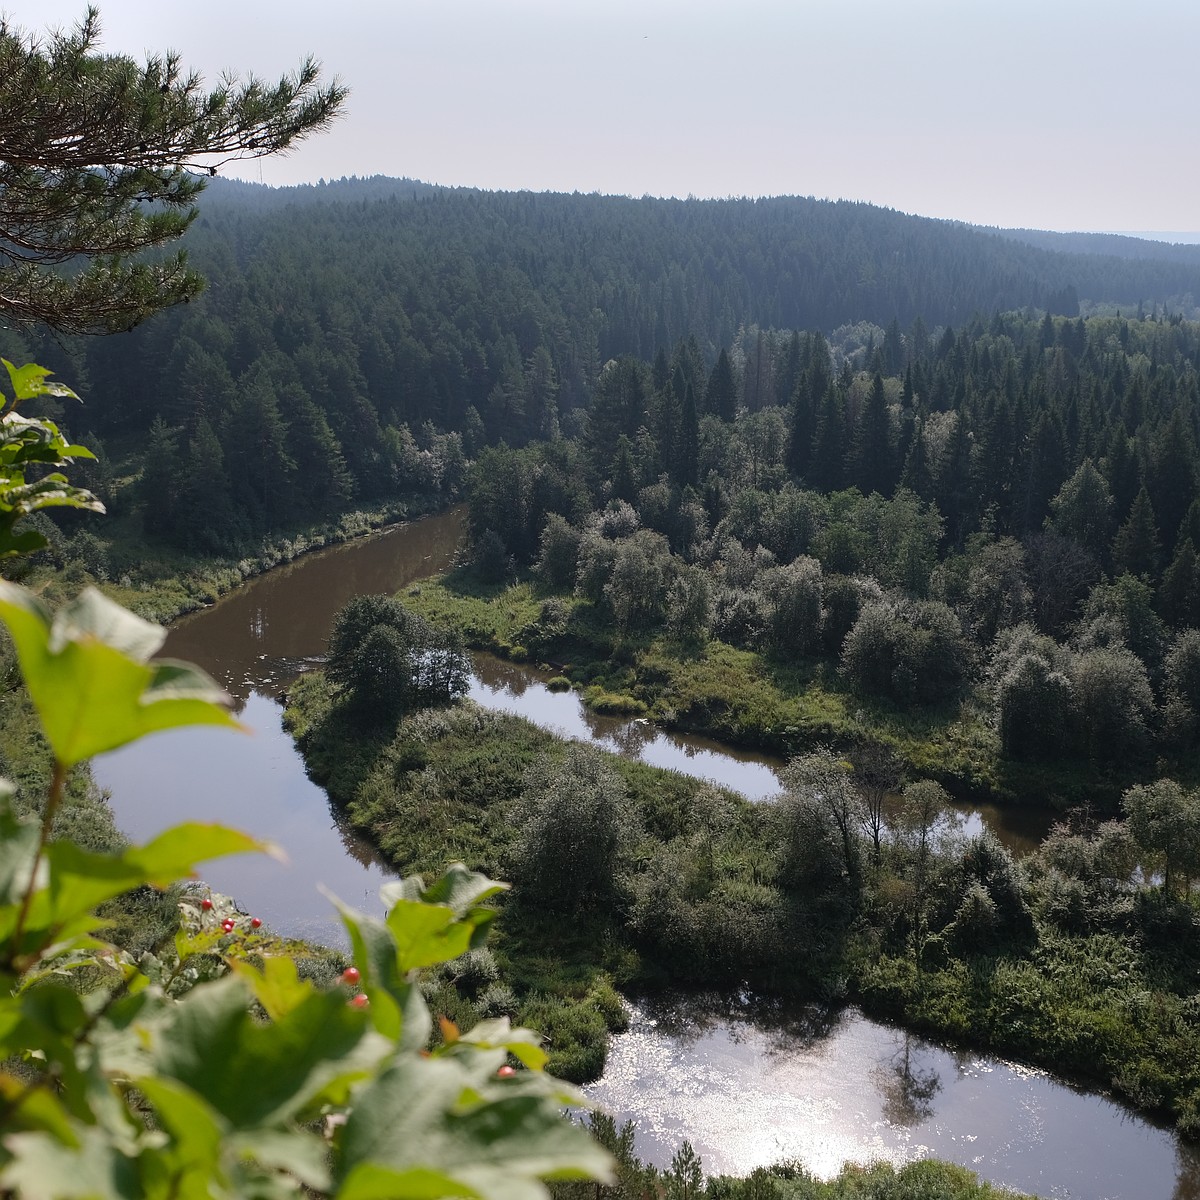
pixel 660 268
pixel 1106 245
pixel 441 295
pixel 352 331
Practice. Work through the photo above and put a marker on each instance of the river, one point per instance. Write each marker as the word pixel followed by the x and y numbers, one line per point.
pixel 744 1088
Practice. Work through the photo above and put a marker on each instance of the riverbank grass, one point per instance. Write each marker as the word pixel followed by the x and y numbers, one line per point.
pixel 738 696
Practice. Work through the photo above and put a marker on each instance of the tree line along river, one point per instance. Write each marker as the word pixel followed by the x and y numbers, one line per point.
pixel 746 1082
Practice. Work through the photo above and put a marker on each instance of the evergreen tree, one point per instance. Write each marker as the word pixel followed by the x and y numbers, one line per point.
pixel 1178 596
pixel 100 161
pixel 1121 470
pixel 720 396
pixel 1044 471
pixel 1136 549
pixel 954 491
pixel 207 521
pixel 1083 510
pixel 323 479
pixel 686 465
pixel 826 471
pixel 788 376
pixel 1171 478
pixel 624 475
pixel 158 488
pixel 917 476
pixel 809 396
pixel 871 457
pixel 254 439
pixel 660 372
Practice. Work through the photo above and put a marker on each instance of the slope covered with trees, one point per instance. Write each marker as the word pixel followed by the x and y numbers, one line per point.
pixel 360 339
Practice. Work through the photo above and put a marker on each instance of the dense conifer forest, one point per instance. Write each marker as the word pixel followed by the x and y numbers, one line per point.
pixel 366 337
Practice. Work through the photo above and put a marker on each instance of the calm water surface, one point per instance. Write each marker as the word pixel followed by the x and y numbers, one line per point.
pixel 748 1088
pixel 254 641
pixel 745 1087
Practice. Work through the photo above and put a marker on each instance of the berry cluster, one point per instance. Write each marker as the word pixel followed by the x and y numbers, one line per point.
pixel 229 922
pixel 350 977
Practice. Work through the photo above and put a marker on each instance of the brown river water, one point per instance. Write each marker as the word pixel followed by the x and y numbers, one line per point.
pixel 746 1086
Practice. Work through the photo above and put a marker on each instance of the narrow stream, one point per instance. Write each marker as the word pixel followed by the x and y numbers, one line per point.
pixel 745 1088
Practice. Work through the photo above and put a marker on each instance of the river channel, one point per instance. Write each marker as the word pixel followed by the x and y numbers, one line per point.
pixel 746 1087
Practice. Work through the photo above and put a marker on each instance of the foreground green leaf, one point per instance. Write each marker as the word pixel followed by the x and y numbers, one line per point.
pixel 446 1126
pixel 90 676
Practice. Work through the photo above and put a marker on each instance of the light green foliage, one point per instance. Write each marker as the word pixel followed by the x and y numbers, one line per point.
pixel 636 590
pixel 689 606
pixel 577 829
pixel 792 601
pixel 911 651
pixel 34 445
pixel 1165 822
pixel 819 822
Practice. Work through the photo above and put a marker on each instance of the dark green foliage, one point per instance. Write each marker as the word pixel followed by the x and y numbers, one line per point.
pixel 1114 703
pixel 1136 549
pixel 1083 509
pixel 721 393
pixel 818 825
pixel 924 1180
pixel 577 828
pixel 129 185
pixel 1035 705
pixel 1178 596
pixel 910 652
pixel 984 900
pixel 385 659
pixel 871 455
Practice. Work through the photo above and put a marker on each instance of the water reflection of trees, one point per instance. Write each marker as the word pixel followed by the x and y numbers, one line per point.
pixel 499 675
pixel 785 1026
pixel 906 1088
pixel 630 738
pixel 361 851
pixel 1187 1172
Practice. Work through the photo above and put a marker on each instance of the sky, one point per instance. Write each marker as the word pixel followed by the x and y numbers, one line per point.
pixel 1055 114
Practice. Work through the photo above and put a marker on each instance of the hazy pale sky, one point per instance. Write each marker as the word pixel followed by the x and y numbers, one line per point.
pixel 1056 114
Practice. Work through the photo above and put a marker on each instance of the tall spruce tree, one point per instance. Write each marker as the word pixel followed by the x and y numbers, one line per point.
pixel 720 396
pixel 1136 548
pixel 871 457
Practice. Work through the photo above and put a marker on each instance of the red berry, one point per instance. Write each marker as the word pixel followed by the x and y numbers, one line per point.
pixel 360 1001
pixel 350 975
pixel 227 925
pixel 206 904
pixel 255 922
pixel 506 1072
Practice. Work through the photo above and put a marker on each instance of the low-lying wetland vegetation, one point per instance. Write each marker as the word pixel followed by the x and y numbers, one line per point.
pixel 1062 960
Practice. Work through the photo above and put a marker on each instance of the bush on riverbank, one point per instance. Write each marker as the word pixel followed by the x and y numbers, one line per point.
pixel 684 1179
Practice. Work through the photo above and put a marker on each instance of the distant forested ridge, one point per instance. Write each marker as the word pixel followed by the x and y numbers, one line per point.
pixel 1115 245
pixel 364 338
